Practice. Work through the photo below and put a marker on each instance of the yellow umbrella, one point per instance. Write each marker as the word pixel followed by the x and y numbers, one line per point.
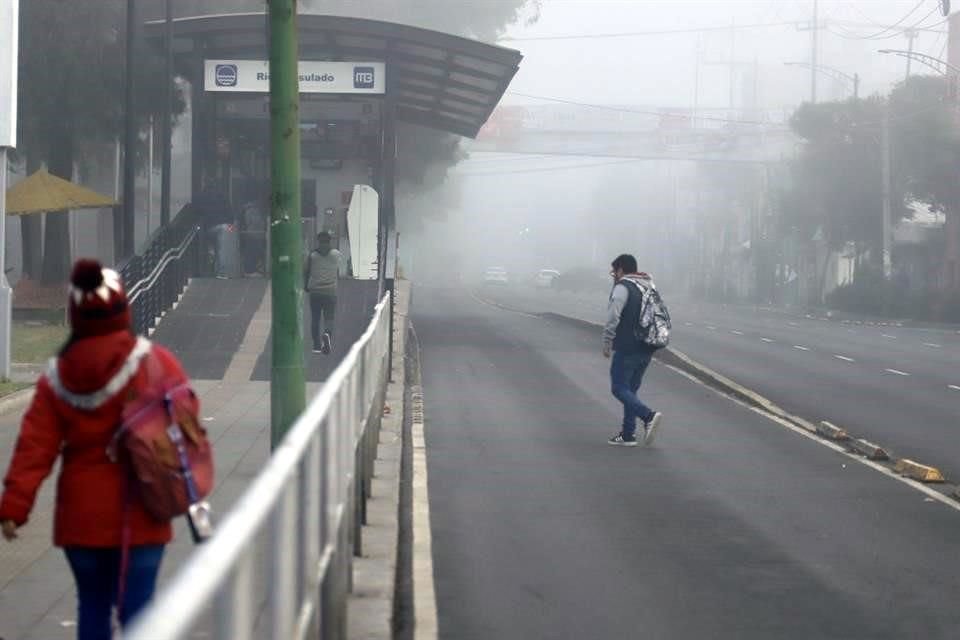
pixel 44 192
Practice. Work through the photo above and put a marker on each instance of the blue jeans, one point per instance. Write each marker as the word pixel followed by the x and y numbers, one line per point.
pixel 97 574
pixel 626 374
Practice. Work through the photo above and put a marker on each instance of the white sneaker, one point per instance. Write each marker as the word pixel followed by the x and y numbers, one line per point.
pixel 650 428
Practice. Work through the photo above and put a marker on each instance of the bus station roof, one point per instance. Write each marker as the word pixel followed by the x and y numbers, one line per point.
pixel 442 81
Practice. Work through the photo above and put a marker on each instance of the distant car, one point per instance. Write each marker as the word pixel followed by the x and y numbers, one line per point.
pixel 495 275
pixel 545 277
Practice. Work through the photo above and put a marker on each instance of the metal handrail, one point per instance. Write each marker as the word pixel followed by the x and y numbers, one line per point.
pixel 159 272
pixel 305 499
pixel 175 253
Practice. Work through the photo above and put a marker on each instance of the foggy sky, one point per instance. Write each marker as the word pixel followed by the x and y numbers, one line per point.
pixel 660 69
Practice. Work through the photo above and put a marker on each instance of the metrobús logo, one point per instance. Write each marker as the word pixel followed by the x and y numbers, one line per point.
pixel 363 78
pixel 225 75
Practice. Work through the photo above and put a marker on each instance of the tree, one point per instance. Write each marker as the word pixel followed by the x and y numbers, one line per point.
pixel 926 141
pixel 71 71
pixel 837 176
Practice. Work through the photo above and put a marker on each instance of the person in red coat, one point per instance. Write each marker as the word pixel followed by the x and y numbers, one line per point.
pixel 74 414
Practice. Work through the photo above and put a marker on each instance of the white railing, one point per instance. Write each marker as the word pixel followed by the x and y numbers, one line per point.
pixel 279 564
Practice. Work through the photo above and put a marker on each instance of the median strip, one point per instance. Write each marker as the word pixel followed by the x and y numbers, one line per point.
pixel 917 471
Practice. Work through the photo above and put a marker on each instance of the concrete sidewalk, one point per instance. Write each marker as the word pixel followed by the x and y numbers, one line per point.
pixel 37 599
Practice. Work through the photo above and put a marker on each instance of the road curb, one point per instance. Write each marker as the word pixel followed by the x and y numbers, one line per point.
pixel 831 431
pixel 16 401
pixel 919 472
pixel 828 431
pixel 869 450
pixel 372 598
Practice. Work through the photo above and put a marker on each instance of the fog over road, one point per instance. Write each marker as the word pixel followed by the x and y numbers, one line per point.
pixel 898 386
pixel 730 526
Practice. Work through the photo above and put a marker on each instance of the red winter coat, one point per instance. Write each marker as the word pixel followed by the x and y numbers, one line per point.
pixel 90 502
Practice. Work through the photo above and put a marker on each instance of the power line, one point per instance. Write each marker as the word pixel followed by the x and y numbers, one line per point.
pixel 658 32
pixel 897 23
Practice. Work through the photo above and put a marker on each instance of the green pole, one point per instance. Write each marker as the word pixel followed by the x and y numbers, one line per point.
pixel 287 386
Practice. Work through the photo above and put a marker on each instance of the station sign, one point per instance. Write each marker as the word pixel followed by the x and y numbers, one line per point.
pixel 253 76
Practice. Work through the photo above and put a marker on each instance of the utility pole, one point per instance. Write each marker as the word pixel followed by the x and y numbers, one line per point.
pixel 885 177
pixel 814 28
pixel 166 125
pixel 911 36
pixel 130 135
pixel 287 385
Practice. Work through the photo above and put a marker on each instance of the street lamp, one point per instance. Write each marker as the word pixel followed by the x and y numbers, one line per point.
pixel 831 72
pixel 940 66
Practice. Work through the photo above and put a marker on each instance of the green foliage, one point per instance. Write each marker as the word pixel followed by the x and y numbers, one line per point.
pixel 836 180
pixel 870 293
pixel 926 140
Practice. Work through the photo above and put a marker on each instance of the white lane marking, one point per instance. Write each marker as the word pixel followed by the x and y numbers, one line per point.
pixel 501 307
pixel 737 333
pixel 844 358
pixel 688 324
pixel 953 386
pixel 939 497
pixel 899 373
pixel 766 339
pixel 887 335
pixel 793 324
pixel 796 346
pixel 932 344
pixel 711 328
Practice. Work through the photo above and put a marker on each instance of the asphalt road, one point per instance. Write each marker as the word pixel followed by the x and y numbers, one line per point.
pixel 729 526
pixel 897 386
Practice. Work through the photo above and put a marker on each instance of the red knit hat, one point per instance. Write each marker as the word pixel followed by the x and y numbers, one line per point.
pixel 98 303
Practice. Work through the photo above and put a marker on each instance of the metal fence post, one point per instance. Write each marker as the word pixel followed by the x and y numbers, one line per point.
pixel 283 559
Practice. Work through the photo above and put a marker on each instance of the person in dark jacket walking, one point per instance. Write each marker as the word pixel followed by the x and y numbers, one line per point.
pixel 75 412
pixel 631 355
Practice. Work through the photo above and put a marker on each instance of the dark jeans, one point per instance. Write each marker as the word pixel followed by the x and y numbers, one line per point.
pixel 97 574
pixel 323 313
pixel 626 374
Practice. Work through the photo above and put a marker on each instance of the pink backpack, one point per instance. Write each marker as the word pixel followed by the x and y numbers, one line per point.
pixel 160 437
